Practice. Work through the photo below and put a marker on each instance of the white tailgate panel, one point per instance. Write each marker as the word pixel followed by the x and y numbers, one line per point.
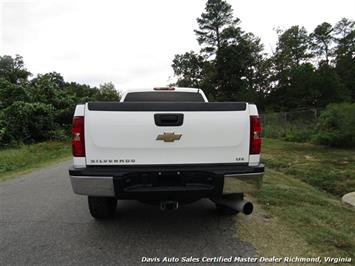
pixel 126 138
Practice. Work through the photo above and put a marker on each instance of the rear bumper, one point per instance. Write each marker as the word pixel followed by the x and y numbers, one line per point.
pixel 166 182
pixel 93 185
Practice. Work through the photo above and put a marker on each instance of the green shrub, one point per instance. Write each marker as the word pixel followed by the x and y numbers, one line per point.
pixel 27 122
pixel 10 93
pixel 2 127
pixel 301 135
pixel 59 135
pixel 295 129
pixel 336 126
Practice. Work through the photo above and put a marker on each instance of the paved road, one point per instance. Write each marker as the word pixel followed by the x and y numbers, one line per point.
pixel 43 222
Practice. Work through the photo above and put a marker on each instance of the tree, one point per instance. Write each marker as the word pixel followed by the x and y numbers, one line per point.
pixel 322 40
pixel 10 93
pixel 236 63
pixel 330 86
pixel 188 68
pixel 345 68
pixel 42 108
pixel 230 74
pixel 81 92
pixel 292 47
pixel 107 92
pixel 297 91
pixel 345 53
pixel 45 87
pixel 12 69
pixel 27 122
pixel 261 83
pixel 343 28
pixel 292 51
pixel 218 17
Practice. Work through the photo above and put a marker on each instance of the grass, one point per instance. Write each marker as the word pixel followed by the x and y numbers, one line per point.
pixel 329 169
pixel 319 218
pixel 15 161
pixel 294 216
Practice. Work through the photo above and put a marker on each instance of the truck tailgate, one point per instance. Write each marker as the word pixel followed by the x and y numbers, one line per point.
pixel 128 134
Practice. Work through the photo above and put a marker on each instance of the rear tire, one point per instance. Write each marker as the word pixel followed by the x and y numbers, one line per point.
pixel 225 210
pixel 102 207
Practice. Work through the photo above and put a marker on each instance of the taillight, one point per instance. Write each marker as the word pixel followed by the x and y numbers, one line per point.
pixel 255 135
pixel 78 141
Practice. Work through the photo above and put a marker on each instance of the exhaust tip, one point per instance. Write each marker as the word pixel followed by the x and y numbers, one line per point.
pixel 248 208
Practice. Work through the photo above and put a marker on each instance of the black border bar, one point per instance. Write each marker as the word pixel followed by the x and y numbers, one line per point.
pixel 167 106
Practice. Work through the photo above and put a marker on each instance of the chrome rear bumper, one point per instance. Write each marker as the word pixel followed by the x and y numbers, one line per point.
pixel 93 185
pixel 103 185
pixel 241 183
pixel 193 181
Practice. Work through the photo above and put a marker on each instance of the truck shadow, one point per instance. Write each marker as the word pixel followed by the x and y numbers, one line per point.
pixel 195 229
pixel 192 218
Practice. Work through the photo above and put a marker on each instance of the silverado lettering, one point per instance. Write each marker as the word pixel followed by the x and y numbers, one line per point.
pixel 113 161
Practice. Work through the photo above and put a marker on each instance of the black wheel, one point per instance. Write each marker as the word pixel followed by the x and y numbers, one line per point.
pixel 225 209
pixel 102 207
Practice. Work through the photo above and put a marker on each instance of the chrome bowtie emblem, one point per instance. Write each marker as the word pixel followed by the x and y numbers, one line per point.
pixel 169 137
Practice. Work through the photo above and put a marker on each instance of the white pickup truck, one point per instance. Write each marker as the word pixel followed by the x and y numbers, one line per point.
pixel 167 146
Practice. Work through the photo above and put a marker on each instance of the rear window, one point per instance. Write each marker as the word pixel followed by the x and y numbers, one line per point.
pixel 154 96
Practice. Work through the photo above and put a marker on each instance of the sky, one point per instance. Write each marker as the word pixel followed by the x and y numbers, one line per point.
pixel 132 43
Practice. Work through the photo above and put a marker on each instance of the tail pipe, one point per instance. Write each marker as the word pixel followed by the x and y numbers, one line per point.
pixel 243 206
